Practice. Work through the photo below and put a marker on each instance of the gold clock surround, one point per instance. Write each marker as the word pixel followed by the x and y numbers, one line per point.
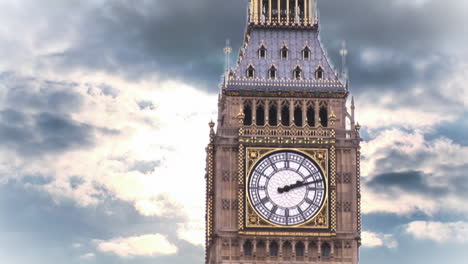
pixel 251 221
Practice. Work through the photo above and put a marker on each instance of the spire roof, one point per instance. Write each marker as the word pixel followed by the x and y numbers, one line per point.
pixel 274 40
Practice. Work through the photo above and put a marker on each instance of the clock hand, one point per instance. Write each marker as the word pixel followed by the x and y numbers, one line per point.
pixel 298 184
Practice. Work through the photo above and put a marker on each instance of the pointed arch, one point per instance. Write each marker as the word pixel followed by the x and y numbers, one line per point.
pixel 297 73
pixel 273 114
pixel 284 52
pixel 262 52
pixel 260 113
pixel 272 72
pixel 306 53
pixel 310 113
pixel 287 250
pixel 298 120
pixel 274 248
pixel 319 73
pixel 326 250
pixel 285 114
pixel 312 249
pixel 248 113
pixel 250 73
pixel 248 248
pixel 300 248
pixel 261 249
pixel 323 114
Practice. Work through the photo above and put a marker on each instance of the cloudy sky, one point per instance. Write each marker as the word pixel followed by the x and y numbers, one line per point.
pixel 104 106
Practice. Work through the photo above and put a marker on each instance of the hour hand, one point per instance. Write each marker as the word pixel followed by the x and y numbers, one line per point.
pixel 298 184
pixel 287 188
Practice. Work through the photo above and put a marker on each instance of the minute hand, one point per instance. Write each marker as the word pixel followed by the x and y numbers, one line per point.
pixel 298 184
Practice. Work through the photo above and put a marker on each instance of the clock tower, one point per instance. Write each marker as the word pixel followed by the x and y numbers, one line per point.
pixel 282 175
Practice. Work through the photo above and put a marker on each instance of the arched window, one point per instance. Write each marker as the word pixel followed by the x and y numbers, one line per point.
pixel 262 52
pixel 326 249
pixel 306 53
pixel 298 115
pixel 248 248
pixel 285 114
pixel 319 73
pixel 323 114
pixel 312 251
pixel 250 72
pixel 272 73
pixel 247 113
pixel 300 249
pixel 274 249
pixel 283 10
pixel 273 114
pixel 261 249
pixel 297 73
pixel 287 250
pixel 292 10
pixel 301 9
pixel 260 115
pixel 284 53
pixel 310 115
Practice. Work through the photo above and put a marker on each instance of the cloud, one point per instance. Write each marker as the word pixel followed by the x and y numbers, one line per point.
pixel 125 152
pixel 372 240
pixel 88 256
pixel 403 173
pixel 153 245
pixel 192 232
pixel 440 232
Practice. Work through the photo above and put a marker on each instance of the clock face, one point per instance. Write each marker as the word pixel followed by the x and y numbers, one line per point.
pixel 287 188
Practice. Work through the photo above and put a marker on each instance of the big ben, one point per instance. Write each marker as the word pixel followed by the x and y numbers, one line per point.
pixel 282 174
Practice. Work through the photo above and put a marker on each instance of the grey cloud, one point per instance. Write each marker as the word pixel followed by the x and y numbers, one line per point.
pixel 449 181
pixel 408 181
pixel 145 167
pixel 76 182
pixel 146 105
pixel 31 221
pixel 181 39
pixel 43 133
pixel 32 94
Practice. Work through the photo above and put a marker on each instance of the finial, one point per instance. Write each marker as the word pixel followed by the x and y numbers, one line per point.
pixel 332 118
pixel 344 53
pixel 212 132
pixel 358 127
pixel 227 51
pixel 241 117
pixel 352 102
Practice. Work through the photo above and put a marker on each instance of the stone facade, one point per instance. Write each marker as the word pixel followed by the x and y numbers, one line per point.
pixel 306 113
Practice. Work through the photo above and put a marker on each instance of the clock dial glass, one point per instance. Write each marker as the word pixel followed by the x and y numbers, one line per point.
pixel 287 188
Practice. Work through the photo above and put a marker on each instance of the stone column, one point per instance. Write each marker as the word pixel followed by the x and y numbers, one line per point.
pixel 254 111
pixel 304 112
pixel 278 109
pixel 317 110
pixel 269 11
pixel 291 112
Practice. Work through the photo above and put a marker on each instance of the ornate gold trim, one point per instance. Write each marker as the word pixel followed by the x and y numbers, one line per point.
pixel 279 233
pixel 209 198
pixel 249 218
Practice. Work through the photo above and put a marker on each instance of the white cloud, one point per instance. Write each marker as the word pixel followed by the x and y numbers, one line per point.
pixel 145 245
pixel 88 256
pixel 372 240
pixel 393 151
pixel 193 233
pixel 173 134
pixel 439 232
pixel 77 245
